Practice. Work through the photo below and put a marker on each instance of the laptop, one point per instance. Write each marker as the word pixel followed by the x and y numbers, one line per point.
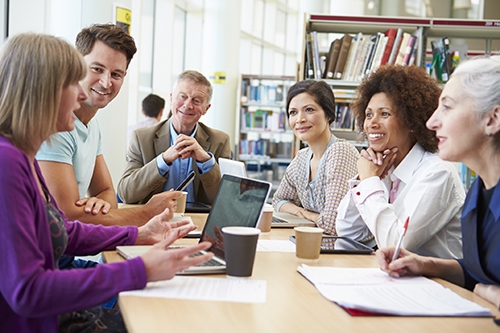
pixel 232 167
pixel 287 220
pixel 238 202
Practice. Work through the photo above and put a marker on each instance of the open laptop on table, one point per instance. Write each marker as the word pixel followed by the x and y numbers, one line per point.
pixel 238 202
pixel 287 220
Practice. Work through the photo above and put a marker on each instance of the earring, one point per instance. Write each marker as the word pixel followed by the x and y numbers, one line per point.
pixel 489 135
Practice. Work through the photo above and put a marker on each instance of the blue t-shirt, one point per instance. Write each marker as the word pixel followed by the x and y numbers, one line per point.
pixel 79 148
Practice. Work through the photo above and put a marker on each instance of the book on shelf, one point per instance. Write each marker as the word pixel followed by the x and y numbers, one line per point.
pixel 342 58
pixel 357 58
pixel 264 92
pixel 331 59
pixel 351 56
pixel 344 118
pixel 265 148
pixel 315 55
pixel 309 57
pixel 391 35
pixel 409 49
pixel 365 57
pixel 258 119
pixel 395 46
pixel 441 58
pixel 369 291
pixel 402 48
pixel 379 52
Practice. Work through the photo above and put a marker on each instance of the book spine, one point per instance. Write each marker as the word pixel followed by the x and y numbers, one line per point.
pixel 342 59
pixel 395 46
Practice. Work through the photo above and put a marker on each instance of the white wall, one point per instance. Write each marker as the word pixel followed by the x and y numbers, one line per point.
pixel 66 18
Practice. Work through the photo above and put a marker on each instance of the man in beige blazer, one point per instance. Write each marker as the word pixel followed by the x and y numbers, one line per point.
pixel 161 156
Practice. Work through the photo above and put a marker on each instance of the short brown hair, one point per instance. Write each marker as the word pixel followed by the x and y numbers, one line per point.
pixel 413 92
pixel 110 34
pixel 320 91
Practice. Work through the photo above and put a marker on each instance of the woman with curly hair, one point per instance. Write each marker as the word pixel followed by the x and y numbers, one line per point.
pixel 400 176
pixel 469 107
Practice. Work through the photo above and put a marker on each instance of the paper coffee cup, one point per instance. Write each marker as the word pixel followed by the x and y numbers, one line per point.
pixel 181 203
pixel 308 242
pixel 266 218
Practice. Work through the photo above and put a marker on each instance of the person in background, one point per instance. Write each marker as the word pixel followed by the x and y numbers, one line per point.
pixel 39 91
pixel 152 108
pixel 316 179
pixel 467 125
pixel 160 157
pixel 400 176
pixel 72 163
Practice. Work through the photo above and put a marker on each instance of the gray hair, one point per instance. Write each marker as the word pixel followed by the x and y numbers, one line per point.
pixel 197 78
pixel 480 78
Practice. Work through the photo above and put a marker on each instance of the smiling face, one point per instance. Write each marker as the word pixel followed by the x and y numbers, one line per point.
pixel 70 100
pixel 308 119
pixel 461 135
pixel 383 127
pixel 105 75
pixel 188 102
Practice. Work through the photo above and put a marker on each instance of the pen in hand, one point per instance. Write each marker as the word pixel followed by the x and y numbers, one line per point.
pixel 398 246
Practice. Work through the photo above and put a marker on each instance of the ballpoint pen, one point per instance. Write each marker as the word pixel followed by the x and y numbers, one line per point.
pixel 398 246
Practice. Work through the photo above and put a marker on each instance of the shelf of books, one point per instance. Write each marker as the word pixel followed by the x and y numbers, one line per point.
pixel 343 50
pixel 263 127
pixel 347 48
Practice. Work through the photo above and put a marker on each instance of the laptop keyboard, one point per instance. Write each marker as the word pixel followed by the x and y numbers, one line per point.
pixel 211 262
pixel 279 220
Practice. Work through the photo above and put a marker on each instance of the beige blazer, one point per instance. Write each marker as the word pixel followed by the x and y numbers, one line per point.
pixel 141 178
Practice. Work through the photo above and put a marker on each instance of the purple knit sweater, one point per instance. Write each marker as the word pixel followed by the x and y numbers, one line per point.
pixel 32 292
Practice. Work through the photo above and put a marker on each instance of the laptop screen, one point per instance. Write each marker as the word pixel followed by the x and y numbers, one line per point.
pixel 239 202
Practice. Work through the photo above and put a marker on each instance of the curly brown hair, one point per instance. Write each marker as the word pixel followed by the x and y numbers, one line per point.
pixel 412 91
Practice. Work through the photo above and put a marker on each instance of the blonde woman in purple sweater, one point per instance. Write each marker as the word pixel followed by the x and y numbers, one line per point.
pixel 39 90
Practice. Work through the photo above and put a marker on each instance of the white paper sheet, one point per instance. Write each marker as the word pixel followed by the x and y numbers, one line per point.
pixel 267 245
pixel 370 289
pixel 239 290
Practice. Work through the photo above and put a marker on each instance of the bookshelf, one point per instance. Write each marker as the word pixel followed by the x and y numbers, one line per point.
pixel 327 28
pixel 264 136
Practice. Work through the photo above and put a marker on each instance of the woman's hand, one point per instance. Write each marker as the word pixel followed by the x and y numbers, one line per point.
pixel 158 229
pixel 489 292
pixel 372 163
pixel 407 263
pixel 307 214
pixel 162 263
pixel 94 205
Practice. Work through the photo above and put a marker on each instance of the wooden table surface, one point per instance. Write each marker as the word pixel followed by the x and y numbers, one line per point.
pixel 293 304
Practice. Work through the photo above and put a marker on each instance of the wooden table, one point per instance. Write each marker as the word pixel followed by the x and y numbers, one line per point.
pixel 293 304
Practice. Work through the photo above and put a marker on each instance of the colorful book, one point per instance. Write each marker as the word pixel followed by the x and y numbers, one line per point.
pixel 395 46
pixel 391 35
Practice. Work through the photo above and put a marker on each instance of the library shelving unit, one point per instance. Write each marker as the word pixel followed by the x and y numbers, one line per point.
pixel 263 134
pixel 472 37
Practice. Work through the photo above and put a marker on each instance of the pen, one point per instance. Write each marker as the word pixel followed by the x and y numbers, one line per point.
pixel 186 182
pixel 398 246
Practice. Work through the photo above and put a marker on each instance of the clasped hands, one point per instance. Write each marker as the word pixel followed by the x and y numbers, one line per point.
pixel 371 163
pixel 185 147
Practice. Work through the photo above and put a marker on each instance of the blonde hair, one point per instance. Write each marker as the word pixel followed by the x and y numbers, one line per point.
pixel 34 68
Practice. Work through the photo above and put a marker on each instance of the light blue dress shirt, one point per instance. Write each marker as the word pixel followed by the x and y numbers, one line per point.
pixel 180 168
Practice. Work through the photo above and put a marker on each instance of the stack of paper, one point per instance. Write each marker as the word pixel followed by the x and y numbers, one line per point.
pixel 373 291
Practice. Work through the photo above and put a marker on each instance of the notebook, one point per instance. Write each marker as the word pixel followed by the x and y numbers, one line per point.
pixel 287 220
pixel 238 202
pixel 232 167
